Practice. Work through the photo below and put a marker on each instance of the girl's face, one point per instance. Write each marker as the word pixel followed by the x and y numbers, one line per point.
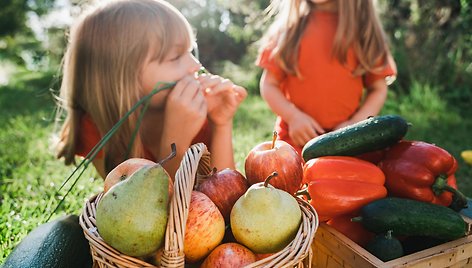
pixel 178 63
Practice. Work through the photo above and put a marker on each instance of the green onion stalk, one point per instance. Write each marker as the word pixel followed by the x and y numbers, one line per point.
pixel 80 169
pixel 83 165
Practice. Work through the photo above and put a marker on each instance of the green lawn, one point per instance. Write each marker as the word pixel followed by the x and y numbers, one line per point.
pixel 30 175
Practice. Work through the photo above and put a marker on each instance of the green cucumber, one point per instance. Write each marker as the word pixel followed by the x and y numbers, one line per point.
pixel 56 244
pixel 372 134
pixel 407 217
pixel 385 247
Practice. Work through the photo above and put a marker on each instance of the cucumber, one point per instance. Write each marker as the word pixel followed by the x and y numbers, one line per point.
pixel 55 244
pixel 385 247
pixel 372 134
pixel 410 217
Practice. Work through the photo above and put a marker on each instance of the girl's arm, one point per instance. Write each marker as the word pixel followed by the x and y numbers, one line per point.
pixel 223 99
pixel 302 127
pixel 222 146
pixel 372 105
pixel 184 116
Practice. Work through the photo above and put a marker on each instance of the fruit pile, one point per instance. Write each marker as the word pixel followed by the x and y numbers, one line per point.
pixel 389 195
pixel 232 221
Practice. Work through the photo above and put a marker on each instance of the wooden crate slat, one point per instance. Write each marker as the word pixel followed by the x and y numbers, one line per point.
pixel 334 250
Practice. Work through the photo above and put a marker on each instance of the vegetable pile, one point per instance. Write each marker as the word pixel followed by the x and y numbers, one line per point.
pixel 390 195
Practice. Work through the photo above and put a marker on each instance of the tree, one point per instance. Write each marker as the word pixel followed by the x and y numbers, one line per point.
pixel 18 42
pixel 432 44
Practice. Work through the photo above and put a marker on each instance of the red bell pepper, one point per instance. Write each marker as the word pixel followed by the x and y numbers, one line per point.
pixel 424 172
pixel 342 168
pixel 351 229
pixel 338 185
pixel 333 198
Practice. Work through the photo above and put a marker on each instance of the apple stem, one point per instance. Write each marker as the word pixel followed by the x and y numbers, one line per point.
pixel 202 178
pixel 273 175
pixel 274 138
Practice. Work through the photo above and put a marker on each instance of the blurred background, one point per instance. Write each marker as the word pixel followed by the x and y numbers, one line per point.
pixel 431 41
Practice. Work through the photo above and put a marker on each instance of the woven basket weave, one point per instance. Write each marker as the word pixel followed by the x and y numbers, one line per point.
pixel 196 161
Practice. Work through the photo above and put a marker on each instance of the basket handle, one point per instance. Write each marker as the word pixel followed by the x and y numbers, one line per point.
pixel 196 160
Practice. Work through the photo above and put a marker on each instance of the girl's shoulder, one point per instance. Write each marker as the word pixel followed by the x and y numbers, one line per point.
pixel 88 136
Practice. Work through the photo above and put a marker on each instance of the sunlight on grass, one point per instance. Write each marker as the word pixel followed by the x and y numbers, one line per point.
pixel 30 174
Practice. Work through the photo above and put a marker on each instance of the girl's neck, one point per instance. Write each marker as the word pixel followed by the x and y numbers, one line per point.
pixel 328 6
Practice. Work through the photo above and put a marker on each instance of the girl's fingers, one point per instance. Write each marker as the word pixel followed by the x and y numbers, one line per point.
pixel 319 129
pixel 240 92
pixel 215 84
pixel 188 89
pixel 180 86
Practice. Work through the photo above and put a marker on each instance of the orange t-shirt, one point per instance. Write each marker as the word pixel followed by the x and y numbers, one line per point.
pixel 328 91
pixel 90 136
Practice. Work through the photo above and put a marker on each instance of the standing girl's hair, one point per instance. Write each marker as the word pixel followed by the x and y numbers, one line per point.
pixel 358 27
pixel 104 82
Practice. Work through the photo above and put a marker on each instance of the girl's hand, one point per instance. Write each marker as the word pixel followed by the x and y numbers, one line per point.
pixel 344 124
pixel 223 98
pixel 186 110
pixel 302 128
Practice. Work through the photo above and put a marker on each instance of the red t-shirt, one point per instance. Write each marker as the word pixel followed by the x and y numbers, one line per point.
pixel 328 91
pixel 90 136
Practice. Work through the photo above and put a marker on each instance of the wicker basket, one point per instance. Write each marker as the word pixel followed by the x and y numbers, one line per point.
pixel 196 161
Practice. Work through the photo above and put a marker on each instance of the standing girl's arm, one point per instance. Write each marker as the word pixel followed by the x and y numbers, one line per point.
pixel 374 100
pixel 222 146
pixel 302 127
pixel 223 99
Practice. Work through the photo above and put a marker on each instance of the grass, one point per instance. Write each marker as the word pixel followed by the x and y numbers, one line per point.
pixel 30 174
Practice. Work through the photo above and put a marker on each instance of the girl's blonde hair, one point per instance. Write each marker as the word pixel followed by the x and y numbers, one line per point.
pixel 358 27
pixel 102 66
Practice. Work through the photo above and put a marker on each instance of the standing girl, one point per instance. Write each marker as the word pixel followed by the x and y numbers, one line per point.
pixel 117 53
pixel 318 56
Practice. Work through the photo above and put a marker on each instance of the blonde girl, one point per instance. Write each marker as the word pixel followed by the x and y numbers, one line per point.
pixel 117 53
pixel 318 56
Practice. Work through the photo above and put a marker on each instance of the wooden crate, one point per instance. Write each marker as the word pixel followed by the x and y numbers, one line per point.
pixel 332 249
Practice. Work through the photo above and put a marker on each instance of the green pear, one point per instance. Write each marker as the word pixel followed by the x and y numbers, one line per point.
pixel 265 219
pixel 132 216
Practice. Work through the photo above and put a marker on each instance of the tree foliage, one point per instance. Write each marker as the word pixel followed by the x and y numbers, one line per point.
pixel 431 39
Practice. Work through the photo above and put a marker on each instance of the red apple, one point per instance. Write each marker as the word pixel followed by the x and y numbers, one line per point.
pixel 260 256
pixel 223 188
pixel 124 170
pixel 229 255
pixel 279 156
pixel 205 227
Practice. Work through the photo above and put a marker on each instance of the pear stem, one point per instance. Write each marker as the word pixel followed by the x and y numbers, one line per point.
pixel 274 138
pixel 304 192
pixel 172 154
pixel 273 175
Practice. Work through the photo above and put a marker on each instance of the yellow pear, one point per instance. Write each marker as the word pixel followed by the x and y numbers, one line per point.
pixel 132 215
pixel 265 219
